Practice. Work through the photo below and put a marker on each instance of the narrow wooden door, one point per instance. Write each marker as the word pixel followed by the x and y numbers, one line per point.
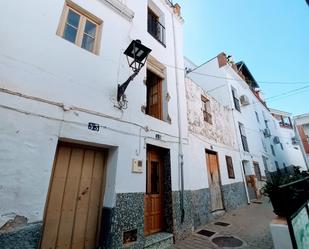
pixel 74 203
pixel 251 186
pixel 153 213
pixel 214 181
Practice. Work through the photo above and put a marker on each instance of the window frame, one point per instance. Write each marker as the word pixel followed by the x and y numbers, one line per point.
pixel 243 137
pixel 84 17
pixel 273 150
pixel 149 85
pixel 206 110
pixel 230 167
pixel 235 99
pixel 159 31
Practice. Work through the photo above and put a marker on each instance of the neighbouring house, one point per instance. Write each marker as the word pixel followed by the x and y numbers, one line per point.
pixel 77 168
pixel 287 139
pixel 261 145
pixel 301 125
pixel 214 174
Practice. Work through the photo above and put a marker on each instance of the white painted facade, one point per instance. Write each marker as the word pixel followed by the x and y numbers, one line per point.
pixel 218 80
pixel 205 136
pixel 51 89
pixel 303 121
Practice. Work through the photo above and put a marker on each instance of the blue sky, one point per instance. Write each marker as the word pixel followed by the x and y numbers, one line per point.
pixel 271 36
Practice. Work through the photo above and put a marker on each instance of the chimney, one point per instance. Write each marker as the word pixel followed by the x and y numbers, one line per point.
pixel 177 9
pixel 222 60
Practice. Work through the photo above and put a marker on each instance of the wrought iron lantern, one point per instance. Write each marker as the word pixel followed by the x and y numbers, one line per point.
pixel 136 54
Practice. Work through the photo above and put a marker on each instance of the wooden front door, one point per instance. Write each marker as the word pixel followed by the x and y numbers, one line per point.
pixel 74 202
pixel 214 181
pixel 251 183
pixel 153 201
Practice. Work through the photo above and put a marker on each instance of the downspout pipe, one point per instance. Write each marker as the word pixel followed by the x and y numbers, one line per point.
pixel 180 147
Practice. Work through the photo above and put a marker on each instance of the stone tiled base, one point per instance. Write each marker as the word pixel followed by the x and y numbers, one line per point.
pixel 182 229
pixel 128 214
pixel 25 237
pixel 234 195
pixel 159 241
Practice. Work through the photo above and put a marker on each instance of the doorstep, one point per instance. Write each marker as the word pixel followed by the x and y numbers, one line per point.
pixel 159 241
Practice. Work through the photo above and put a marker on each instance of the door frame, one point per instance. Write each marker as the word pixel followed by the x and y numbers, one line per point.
pixel 219 173
pixel 103 187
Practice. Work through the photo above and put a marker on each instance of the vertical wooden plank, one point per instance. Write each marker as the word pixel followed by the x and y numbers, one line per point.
pixel 69 200
pixel 54 203
pixel 83 201
pixel 96 195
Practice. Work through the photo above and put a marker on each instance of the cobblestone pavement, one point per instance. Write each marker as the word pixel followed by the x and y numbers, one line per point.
pixel 249 224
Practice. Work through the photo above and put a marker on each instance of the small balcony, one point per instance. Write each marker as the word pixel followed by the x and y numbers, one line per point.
pixel 155 28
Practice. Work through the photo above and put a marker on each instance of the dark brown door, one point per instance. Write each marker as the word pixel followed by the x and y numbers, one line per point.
pixel 214 181
pixel 154 92
pixel 154 192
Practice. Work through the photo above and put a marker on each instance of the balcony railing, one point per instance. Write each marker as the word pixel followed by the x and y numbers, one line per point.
pixel 156 29
pixel 244 143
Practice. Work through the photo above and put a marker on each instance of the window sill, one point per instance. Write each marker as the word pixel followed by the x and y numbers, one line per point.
pixel 157 39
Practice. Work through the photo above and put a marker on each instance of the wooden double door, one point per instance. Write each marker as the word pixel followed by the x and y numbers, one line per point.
pixel 214 181
pixel 73 208
pixel 153 200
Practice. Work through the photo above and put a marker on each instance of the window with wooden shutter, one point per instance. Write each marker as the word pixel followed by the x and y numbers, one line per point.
pixel 206 109
pixel 229 165
pixel 154 95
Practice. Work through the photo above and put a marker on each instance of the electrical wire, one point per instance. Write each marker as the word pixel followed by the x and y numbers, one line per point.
pixel 85 125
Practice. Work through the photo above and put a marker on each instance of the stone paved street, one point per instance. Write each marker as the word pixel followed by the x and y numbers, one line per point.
pixel 250 224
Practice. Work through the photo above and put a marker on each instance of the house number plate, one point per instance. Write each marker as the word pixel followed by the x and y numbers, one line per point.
pixel 93 126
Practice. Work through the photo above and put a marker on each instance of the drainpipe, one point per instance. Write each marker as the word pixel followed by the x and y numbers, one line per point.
pixel 180 150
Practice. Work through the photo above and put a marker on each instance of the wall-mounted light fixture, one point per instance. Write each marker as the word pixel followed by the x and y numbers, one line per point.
pixel 136 55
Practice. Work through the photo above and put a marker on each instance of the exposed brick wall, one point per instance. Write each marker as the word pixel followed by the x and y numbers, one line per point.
pixel 222 61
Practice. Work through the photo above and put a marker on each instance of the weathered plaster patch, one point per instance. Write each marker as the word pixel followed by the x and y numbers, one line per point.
pixel 219 130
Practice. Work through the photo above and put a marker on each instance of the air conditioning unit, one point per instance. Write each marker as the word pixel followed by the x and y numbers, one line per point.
pixel 244 100
pixel 266 132
pixel 276 140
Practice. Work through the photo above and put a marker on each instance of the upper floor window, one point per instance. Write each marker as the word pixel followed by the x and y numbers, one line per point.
pixel 206 109
pixel 154 95
pixel 243 137
pixel 229 165
pixel 284 121
pixel 277 166
pixel 257 117
pixel 80 27
pixel 236 100
pixel 272 150
pixel 155 27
